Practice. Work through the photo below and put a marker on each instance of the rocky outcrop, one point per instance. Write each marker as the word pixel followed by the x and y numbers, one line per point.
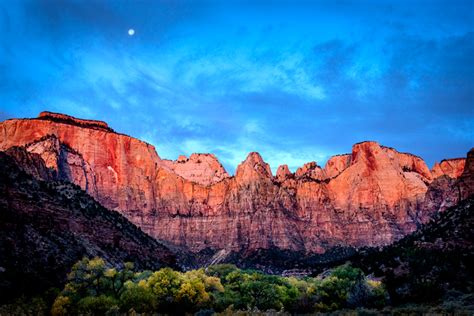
pixel 450 167
pixel 203 169
pixel 447 190
pixel 283 173
pixel 310 170
pixel 409 163
pixel 123 167
pixel 337 164
pixel 372 196
pixel 67 119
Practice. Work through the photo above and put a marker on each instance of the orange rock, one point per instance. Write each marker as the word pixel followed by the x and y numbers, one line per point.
pixel 283 173
pixel 123 167
pixel 337 164
pixel 310 170
pixel 409 162
pixel 204 169
pixel 451 167
pixel 372 196
pixel 252 168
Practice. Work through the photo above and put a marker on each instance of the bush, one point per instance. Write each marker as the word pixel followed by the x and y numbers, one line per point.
pixel 92 288
pixel 96 305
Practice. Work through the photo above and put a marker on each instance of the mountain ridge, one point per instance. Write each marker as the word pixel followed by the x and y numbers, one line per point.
pixel 370 197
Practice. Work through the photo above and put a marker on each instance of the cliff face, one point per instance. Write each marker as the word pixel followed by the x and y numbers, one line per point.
pixel 204 169
pixel 450 167
pixel 372 196
pixel 122 166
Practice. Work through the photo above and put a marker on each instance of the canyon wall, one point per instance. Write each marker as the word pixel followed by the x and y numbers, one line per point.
pixel 371 196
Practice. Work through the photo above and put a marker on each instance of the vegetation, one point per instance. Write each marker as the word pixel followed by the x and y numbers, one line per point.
pixel 431 264
pixel 93 288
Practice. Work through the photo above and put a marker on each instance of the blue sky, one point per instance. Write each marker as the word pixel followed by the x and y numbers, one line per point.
pixel 295 81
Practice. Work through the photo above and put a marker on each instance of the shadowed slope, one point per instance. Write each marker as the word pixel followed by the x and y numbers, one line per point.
pixel 46 226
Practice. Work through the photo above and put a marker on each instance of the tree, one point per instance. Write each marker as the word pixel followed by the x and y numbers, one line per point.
pixel 164 285
pixel 86 278
pixel 96 305
pixel 136 297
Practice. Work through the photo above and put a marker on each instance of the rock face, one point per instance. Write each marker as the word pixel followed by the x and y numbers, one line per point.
pixel 122 166
pixel 63 118
pixel 372 196
pixel 446 191
pixel 450 167
pixel 203 169
pixel 337 164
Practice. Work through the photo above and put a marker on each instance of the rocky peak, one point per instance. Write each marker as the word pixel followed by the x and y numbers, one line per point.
pixel 253 167
pixel 182 159
pixel 283 173
pixel 450 167
pixel 373 180
pixel 66 119
pixel 408 162
pixel 367 153
pixel 310 170
pixel 204 169
pixel 373 196
pixel 337 164
pixel 116 169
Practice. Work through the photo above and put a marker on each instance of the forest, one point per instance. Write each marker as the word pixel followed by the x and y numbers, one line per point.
pixel 93 288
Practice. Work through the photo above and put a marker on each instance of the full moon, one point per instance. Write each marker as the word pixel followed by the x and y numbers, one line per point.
pixel 131 32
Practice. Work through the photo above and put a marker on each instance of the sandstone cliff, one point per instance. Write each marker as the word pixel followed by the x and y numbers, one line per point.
pixel 372 196
pixel 450 167
pixel 204 169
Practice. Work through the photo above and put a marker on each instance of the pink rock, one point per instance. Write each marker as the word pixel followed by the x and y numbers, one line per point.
pixel 204 169
pixel 451 167
pixel 310 170
pixel 337 164
pixel 283 173
pixel 373 196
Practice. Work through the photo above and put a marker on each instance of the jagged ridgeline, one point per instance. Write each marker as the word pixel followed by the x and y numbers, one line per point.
pixel 372 196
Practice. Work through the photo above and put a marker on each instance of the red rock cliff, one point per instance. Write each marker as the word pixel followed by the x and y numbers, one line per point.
pixel 372 196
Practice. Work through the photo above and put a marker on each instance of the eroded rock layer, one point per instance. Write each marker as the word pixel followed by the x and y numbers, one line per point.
pixel 371 196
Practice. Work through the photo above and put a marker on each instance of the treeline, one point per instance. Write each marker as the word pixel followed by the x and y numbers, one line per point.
pixel 93 288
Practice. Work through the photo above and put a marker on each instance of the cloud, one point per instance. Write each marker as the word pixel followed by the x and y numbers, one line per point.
pixel 296 83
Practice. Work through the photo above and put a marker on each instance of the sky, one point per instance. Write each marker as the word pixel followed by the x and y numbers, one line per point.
pixel 297 81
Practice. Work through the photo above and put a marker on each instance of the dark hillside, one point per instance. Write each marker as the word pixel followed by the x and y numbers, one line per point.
pixel 430 263
pixel 45 227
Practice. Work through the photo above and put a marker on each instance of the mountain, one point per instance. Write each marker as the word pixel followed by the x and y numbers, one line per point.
pixel 432 263
pixel 370 197
pixel 47 225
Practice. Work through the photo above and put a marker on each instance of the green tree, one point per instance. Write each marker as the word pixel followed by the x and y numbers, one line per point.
pixel 96 305
pixel 164 285
pixel 345 287
pixel 136 297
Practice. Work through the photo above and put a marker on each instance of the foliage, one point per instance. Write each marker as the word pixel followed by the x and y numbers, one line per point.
pixel 94 288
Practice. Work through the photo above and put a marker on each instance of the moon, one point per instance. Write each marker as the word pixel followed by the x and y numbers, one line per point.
pixel 131 32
